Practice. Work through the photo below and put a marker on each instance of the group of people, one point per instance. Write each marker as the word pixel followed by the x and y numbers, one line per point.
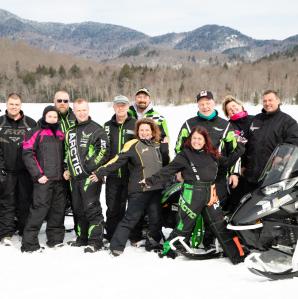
pixel 66 156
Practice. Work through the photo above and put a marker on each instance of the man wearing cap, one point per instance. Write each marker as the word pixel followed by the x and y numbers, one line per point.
pixel 16 197
pixel 222 137
pixel 143 108
pixel 120 129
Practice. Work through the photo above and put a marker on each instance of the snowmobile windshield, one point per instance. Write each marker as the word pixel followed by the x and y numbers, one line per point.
pixel 282 165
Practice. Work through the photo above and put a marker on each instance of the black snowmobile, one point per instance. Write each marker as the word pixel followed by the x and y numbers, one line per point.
pixel 267 219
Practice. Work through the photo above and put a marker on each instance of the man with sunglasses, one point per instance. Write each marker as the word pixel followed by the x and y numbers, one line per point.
pixel 66 121
pixel 66 116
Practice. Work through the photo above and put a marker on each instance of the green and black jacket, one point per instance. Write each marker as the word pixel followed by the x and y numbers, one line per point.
pixel 118 135
pixel 222 137
pixel 66 120
pixel 143 157
pixel 150 113
pixel 87 148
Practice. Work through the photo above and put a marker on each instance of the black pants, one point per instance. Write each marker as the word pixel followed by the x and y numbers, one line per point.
pixel 48 203
pixel 192 201
pixel 137 204
pixel 87 210
pixel 116 198
pixel 15 202
pixel 214 220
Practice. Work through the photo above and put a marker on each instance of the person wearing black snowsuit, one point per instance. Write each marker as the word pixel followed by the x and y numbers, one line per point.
pixel 16 197
pixel 87 148
pixel 241 122
pixel 222 137
pixel 117 182
pixel 268 129
pixel 199 168
pixel 43 155
pixel 144 156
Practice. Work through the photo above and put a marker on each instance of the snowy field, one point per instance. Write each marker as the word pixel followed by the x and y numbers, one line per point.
pixel 67 272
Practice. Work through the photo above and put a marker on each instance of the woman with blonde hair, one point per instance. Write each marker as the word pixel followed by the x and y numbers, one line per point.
pixel 144 156
pixel 238 117
pixel 241 121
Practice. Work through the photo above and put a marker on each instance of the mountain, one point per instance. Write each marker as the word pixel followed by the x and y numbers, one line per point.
pixel 88 39
pixel 106 41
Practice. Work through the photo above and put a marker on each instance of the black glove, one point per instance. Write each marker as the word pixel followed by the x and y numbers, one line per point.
pixel 2 176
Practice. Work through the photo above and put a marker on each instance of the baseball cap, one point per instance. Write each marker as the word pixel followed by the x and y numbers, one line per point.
pixel 121 100
pixel 143 90
pixel 205 94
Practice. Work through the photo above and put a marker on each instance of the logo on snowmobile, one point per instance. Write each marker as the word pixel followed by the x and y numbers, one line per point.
pixel 252 128
pixel 74 154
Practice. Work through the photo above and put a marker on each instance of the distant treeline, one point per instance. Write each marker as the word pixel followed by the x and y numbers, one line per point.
pixel 168 85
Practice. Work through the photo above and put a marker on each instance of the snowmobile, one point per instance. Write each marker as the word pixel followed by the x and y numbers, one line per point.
pixel 266 219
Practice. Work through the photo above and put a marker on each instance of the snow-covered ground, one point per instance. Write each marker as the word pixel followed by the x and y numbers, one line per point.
pixel 69 273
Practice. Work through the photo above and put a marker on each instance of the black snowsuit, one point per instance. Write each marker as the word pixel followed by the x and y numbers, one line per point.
pixel 222 136
pixel 43 156
pixel 117 182
pixel 86 149
pixel 144 158
pixel 16 195
pixel 199 170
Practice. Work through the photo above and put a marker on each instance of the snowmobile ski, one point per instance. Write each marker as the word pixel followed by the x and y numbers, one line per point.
pixel 200 256
pixel 275 275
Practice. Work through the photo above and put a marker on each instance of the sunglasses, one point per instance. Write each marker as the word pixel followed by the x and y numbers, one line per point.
pixel 61 100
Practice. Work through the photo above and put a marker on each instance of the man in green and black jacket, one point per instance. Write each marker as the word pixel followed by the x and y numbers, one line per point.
pixel 120 129
pixel 143 108
pixel 67 118
pixel 86 149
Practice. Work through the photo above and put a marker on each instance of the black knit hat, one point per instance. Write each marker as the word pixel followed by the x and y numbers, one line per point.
pixel 48 109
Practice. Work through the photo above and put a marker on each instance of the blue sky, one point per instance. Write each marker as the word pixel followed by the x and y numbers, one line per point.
pixel 261 19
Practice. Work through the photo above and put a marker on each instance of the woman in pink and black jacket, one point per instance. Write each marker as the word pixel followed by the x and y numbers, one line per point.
pixel 43 157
